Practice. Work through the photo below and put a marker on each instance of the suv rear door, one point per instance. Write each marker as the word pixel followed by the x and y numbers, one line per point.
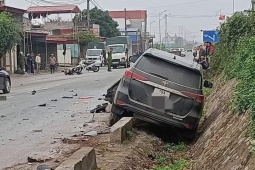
pixel 165 86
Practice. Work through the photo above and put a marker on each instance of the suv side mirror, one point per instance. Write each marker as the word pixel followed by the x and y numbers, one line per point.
pixel 133 59
pixel 208 84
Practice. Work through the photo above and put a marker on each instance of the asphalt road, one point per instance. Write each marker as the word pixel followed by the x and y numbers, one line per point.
pixel 27 129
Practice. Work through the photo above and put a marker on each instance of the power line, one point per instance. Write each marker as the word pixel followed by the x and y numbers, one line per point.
pixel 177 4
pixel 96 4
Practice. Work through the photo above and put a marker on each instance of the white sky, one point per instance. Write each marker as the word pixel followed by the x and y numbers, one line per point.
pixel 195 15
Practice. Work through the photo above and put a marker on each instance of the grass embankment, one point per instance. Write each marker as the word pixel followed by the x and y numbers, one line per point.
pixel 235 58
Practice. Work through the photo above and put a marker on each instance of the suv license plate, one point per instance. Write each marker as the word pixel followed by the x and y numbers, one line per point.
pixel 159 92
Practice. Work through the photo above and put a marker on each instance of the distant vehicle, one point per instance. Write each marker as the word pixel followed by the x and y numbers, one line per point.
pixel 162 89
pixel 122 50
pixel 183 53
pixel 189 50
pixel 5 81
pixel 95 52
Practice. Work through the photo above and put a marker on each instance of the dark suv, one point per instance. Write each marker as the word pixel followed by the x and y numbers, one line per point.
pixel 162 89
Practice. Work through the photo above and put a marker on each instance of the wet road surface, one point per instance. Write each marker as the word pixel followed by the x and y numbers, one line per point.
pixel 27 129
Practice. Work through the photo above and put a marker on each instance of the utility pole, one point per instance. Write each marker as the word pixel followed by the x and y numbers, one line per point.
pixel 88 15
pixel 145 34
pixel 233 6
pixel 125 10
pixel 160 28
pixel 253 4
pixel 166 37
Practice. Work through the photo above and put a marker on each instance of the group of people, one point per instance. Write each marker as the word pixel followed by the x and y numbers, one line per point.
pixel 31 64
pixel 203 53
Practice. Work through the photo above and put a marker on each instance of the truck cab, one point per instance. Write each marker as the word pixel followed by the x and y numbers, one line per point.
pixel 94 55
pixel 121 50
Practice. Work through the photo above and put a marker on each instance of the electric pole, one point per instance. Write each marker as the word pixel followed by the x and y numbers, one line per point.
pixel 253 4
pixel 88 15
pixel 125 11
pixel 166 37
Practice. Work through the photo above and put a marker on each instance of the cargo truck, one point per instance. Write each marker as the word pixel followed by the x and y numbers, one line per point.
pixel 95 52
pixel 121 50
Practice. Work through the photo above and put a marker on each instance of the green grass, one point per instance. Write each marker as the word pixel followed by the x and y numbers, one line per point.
pixel 176 148
pixel 178 165
pixel 161 159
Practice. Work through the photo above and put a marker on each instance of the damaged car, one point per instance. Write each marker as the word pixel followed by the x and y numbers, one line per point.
pixel 161 89
pixel 5 81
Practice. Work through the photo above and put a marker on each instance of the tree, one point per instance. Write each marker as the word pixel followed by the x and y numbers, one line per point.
pixel 108 27
pixel 10 33
pixel 163 46
pixel 83 39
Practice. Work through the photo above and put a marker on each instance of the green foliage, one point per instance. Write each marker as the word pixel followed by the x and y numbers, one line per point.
pixel 176 148
pixel 235 57
pixel 157 46
pixel 108 27
pixel 84 38
pixel 161 159
pixel 10 33
pixel 178 165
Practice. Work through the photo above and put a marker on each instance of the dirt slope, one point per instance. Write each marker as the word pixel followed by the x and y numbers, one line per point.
pixel 224 143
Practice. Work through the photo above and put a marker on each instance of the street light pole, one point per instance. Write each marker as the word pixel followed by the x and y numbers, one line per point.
pixel 150 26
pixel 160 29
pixel 233 6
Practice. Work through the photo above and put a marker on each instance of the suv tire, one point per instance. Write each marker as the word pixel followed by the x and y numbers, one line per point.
pixel 7 88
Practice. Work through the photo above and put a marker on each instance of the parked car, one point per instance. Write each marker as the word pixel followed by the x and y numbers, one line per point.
pixel 5 81
pixel 162 89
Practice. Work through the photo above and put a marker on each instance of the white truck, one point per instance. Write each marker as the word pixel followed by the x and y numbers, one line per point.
pixel 121 50
pixel 95 53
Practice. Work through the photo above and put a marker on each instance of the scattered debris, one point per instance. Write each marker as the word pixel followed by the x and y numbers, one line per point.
pixel 44 167
pixel 2 116
pixel 95 133
pixel 71 91
pixel 76 103
pixel 85 125
pixel 33 160
pixel 25 119
pixel 33 92
pixel 54 100
pixel 84 98
pixel 2 98
pixel 42 105
pixel 100 98
pixel 67 97
pixel 100 108
pixel 75 94
pixel 36 131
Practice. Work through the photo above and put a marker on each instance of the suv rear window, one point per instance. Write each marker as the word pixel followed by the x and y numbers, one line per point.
pixel 169 71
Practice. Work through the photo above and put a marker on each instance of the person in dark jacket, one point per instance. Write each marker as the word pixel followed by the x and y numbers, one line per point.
pixel 22 63
pixel 33 64
pixel 29 63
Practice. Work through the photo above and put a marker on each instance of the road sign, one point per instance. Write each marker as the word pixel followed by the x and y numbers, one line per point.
pixel 211 36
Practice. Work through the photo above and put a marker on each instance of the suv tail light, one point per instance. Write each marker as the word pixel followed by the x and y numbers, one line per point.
pixel 132 75
pixel 199 98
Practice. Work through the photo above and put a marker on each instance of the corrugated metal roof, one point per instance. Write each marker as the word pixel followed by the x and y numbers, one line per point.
pixel 53 9
pixel 12 9
pixel 136 14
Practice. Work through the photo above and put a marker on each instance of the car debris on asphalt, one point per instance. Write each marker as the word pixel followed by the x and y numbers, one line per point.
pixel 33 92
pixel 96 133
pixel 67 97
pixel 99 108
pixel 44 167
pixel 42 105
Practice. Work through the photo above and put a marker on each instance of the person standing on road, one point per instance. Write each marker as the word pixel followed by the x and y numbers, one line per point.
pixel 38 63
pixel 110 59
pixel 22 62
pixel 33 64
pixel 52 63
pixel 29 63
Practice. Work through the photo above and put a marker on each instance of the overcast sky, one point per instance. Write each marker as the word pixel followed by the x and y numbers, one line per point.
pixel 195 15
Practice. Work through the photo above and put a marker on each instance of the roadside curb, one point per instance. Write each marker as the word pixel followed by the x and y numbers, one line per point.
pixel 83 159
pixel 120 129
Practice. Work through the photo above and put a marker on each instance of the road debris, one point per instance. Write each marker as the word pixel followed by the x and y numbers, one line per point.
pixel 42 105
pixel 2 98
pixel 33 92
pixel 75 94
pixel 99 108
pixel 85 98
pixel 33 160
pixel 44 167
pixel 2 116
pixel 25 119
pixel 37 131
pixel 67 97
pixel 54 100
pixel 71 91
pixel 96 133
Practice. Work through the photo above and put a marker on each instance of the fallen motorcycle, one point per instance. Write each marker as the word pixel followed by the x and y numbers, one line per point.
pixel 95 67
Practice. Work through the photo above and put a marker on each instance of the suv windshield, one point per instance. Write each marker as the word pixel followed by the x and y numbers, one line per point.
pixel 93 52
pixel 169 71
pixel 117 48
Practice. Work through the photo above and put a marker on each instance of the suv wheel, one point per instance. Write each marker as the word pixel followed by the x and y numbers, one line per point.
pixel 7 88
